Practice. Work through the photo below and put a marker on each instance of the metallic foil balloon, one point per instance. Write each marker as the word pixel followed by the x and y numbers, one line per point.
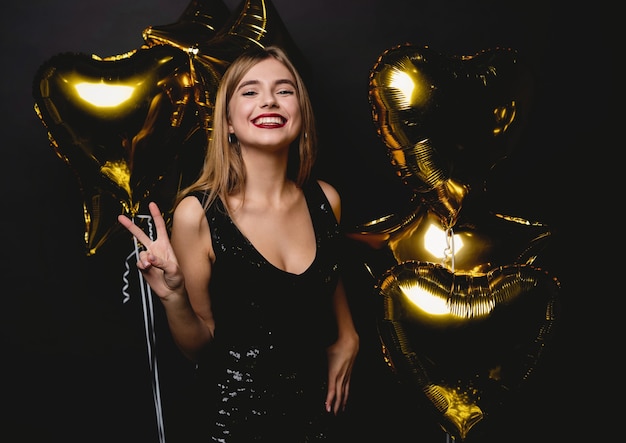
pixel 467 341
pixel 120 123
pixel 199 22
pixel 446 119
pixel 464 311
pixel 211 50
pixel 134 126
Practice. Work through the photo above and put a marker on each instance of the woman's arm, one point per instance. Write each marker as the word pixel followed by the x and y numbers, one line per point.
pixel 342 353
pixel 191 240
pixel 159 264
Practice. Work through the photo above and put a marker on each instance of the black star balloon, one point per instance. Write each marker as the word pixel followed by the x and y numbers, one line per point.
pixel 464 312
pixel 134 126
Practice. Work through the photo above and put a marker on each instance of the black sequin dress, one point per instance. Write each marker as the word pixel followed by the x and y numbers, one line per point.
pixel 266 370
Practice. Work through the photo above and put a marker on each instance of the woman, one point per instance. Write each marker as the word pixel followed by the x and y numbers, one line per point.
pixel 250 277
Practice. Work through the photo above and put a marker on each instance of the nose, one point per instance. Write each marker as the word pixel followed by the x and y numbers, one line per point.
pixel 269 101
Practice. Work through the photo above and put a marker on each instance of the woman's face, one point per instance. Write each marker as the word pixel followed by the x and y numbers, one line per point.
pixel 264 111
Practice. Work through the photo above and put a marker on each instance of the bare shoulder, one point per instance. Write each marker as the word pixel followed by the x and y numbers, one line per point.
pixel 191 237
pixel 333 197
pixel 189 213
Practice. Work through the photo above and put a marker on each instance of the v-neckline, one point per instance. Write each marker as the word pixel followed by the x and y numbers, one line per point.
pixel 258 253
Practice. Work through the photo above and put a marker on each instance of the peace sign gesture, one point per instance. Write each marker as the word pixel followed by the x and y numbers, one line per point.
pixel 157 262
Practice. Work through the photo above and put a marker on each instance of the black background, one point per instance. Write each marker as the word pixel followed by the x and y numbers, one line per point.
pixel 74 366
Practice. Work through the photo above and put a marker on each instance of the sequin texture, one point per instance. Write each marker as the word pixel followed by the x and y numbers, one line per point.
pixel 265 371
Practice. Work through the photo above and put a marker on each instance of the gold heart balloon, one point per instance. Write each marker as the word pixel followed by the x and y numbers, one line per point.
pixel 466 341
pixel 134 126
pixel 446 120
pixel 464 311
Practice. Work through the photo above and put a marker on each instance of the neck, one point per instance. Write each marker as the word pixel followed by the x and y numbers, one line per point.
pixel 266 179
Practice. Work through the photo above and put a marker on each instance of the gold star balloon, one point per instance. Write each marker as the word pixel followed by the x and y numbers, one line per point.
pixel 134 126
pixel 464 312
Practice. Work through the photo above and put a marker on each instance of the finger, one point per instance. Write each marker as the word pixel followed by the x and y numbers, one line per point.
pixel 346 392
pixel 170 273
pixel 159 222
pixel 134 229
pixel 330 398
pixel 143 261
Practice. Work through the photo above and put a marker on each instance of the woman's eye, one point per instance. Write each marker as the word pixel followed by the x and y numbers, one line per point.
pixel 249 93
pixel 286 92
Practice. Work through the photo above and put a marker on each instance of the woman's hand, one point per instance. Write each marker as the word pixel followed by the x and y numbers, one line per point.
pixel 157 262
pixel 341 357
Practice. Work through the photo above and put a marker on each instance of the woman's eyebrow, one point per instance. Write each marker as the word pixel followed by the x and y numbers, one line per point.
pixel 281 81
pixel 284 81
pixel 248 82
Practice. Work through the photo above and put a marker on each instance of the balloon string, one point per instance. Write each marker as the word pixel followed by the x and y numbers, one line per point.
pixel 448 252
pixel 148 319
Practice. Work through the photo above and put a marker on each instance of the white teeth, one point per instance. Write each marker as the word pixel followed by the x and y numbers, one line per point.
pixel 268 121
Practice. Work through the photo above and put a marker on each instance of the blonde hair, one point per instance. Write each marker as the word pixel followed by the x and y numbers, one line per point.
pixel 223 171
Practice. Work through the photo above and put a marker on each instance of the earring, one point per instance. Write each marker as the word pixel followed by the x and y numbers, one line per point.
pixel 232 138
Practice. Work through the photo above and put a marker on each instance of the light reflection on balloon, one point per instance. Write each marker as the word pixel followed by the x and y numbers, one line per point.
pixel 104 96
pixel 464 311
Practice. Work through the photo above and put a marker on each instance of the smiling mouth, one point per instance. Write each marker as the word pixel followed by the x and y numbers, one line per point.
pixel 269 121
